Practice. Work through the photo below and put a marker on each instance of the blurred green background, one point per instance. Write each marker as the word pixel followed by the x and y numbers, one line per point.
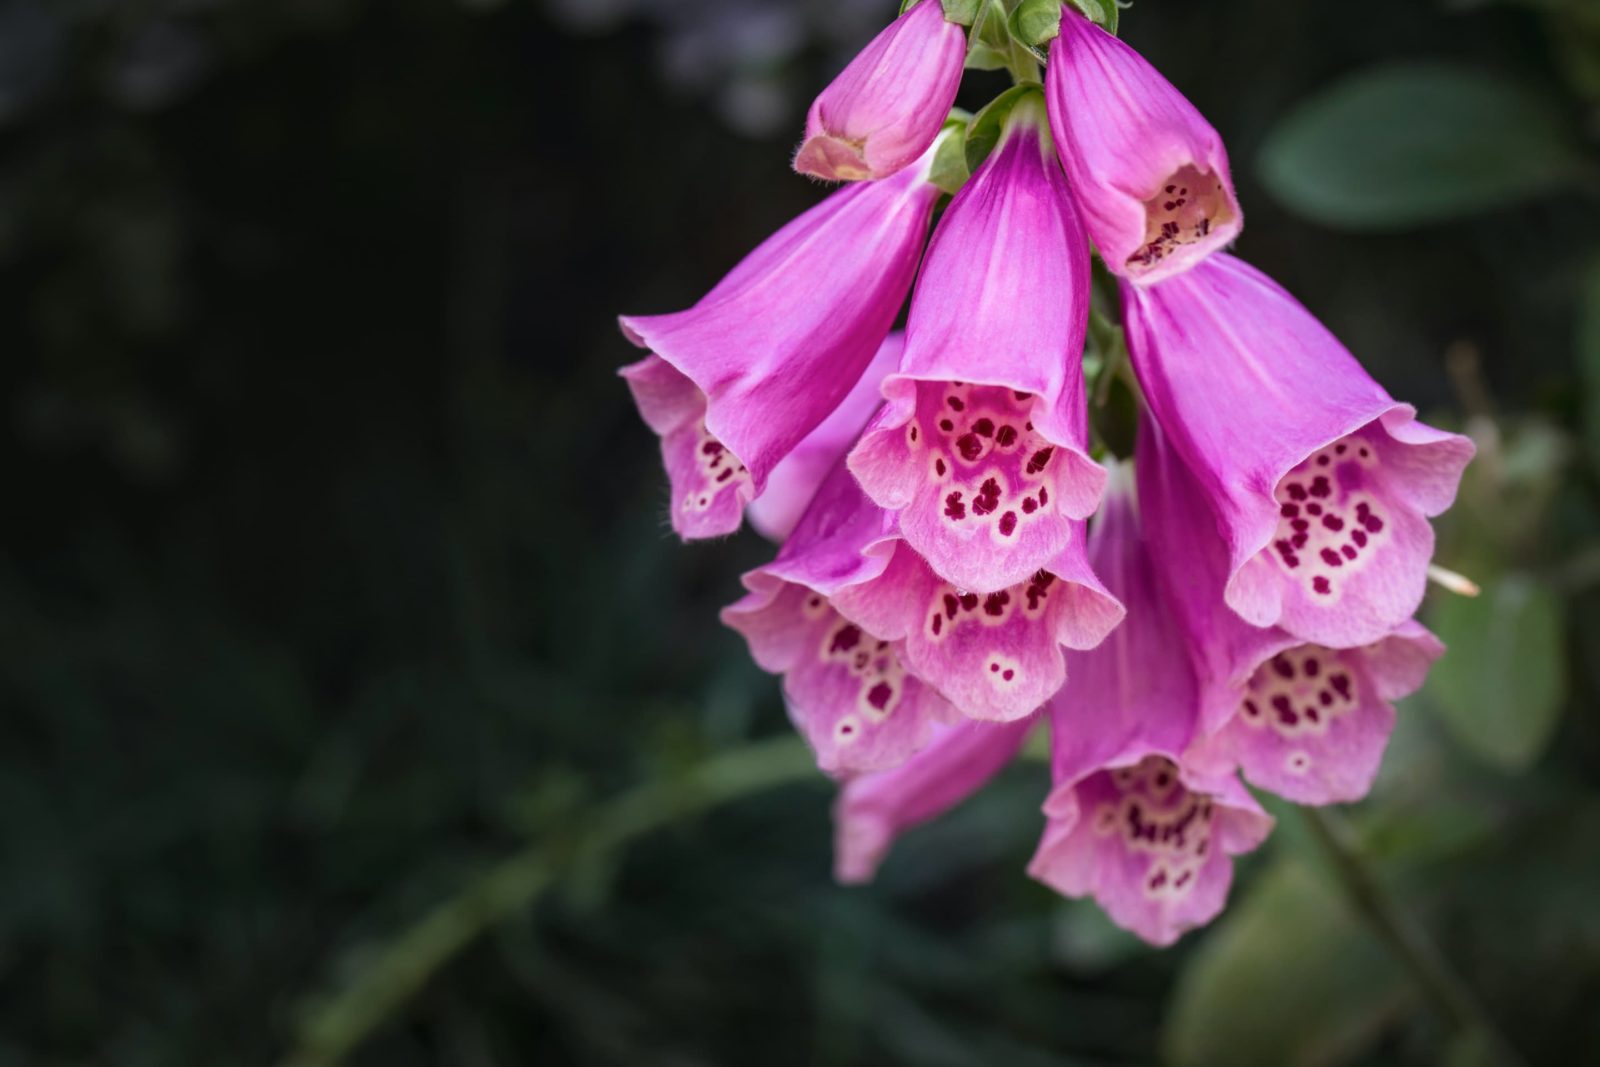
pixel 355 699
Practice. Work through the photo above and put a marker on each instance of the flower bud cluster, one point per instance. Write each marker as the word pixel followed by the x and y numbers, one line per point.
pixel 1235 600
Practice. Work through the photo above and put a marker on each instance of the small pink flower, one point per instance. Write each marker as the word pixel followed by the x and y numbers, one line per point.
pixel 1130 823
pixel 981 446
pixel 874 809
pixel 735 382
pixel 1149 174
pixel 1149 840
pixel 1304 721
pixel 1321 483
pixel 886 107
pixel 848 689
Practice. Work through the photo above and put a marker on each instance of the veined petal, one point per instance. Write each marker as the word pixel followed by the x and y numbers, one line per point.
pixel 1321 482
pixel 794 481
pixel 886 107
pixel 1149 174
pixel 981 446
pixel 771 352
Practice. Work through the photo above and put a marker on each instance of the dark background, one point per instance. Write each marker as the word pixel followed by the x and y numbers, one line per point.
pixel 338 605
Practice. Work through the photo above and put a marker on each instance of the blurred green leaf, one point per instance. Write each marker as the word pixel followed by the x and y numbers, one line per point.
pixel 1288 976
pixel 1501 686
pixel 1415 143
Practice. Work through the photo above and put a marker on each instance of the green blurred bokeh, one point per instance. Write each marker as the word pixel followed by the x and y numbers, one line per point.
pixel 355 699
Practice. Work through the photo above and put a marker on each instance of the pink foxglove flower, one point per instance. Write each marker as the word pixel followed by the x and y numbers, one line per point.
pixel 734 383
pixel 875 808
pixel 886 107
pixel 1307 722
pixel 847 688
pixel 1130 823
pixel 1149 174
pixel 981 445
pixel 1322 483
pixel 995 655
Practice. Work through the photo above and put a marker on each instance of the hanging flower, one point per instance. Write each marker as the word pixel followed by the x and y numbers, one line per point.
pixel 1321 482
pixel 1149 174
pixel 886 107
pixel 734 383
pixel 981 447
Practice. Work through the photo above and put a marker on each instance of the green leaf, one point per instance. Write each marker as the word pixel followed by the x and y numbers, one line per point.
pixel 1415 143
pixel 1501 686
pixel 1035 22
pixel 983 133
pixel 1288 976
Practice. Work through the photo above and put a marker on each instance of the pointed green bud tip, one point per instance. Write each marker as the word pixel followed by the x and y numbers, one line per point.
pixel 949 170
pixel 1037 22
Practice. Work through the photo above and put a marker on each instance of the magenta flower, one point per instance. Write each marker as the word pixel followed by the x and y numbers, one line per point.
pixel 734 383
pixel 847 688
pixel 1307 722
pixel 1322 483
pixel 886 107
pixel 981 445
pixel 1130 822
pixel 994 655
pixel 1149 174
pixel 874 809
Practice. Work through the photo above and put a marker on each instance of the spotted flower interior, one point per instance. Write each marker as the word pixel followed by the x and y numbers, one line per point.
pixel 1187 209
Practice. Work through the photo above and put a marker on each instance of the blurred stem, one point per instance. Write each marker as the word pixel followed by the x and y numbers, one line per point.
pixel 394 972
pixel 1439 984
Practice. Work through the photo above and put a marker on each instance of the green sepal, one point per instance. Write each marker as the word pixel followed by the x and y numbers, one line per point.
pixel 949 171
pixel 1103 12
pixel 984 131
pixel 983 57
pixel 1037 22
pixel 961 12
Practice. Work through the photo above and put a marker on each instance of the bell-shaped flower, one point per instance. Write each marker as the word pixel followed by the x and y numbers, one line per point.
pixel 1307 722
pixel 1321 483
pixel 886 107
pixel 734 383
pixel 981 446
pixel 873 809
pixel 1149 174
pixel 847 688
pixel 1130 822
pixel 996 655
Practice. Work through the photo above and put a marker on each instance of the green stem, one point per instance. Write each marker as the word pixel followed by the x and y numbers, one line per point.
pixel 1449 995
pixel 399 970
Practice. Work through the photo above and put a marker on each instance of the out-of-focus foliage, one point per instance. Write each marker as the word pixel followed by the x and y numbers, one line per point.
pixel 342 629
